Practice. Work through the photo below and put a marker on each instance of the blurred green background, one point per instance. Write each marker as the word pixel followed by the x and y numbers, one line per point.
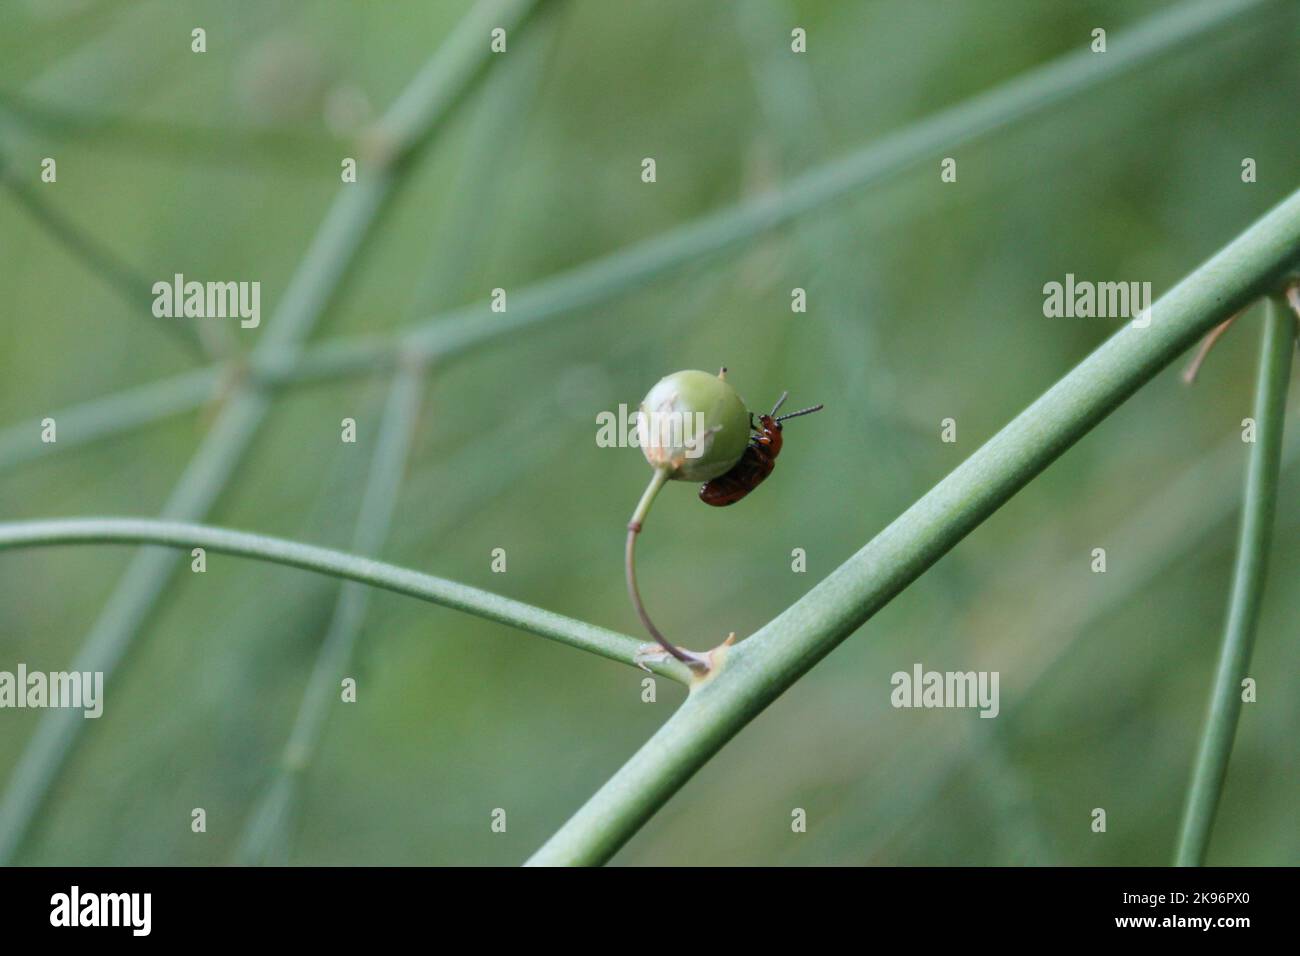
pixel 925 302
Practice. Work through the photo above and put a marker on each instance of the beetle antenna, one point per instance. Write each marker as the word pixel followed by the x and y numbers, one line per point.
pixel 779 402
pixel 802 411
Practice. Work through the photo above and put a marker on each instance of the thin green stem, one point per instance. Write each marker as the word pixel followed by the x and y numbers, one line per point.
pixel 760 669
pixel 401 133
pixel 340 564
pixel 657 480
pixel 1259 504
pixel 562 297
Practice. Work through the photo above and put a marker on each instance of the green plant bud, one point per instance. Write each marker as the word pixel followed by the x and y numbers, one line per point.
pixel 694 424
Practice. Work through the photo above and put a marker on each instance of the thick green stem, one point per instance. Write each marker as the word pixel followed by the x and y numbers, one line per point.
pixel 1259 503
pixel 763 667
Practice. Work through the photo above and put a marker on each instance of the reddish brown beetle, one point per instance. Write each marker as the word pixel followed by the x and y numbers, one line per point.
pixel 756 463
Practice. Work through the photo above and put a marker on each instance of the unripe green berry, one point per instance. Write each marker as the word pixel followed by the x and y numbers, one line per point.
pixel 694 425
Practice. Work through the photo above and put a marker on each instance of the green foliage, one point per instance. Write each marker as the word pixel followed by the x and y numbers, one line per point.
pixel 925 302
